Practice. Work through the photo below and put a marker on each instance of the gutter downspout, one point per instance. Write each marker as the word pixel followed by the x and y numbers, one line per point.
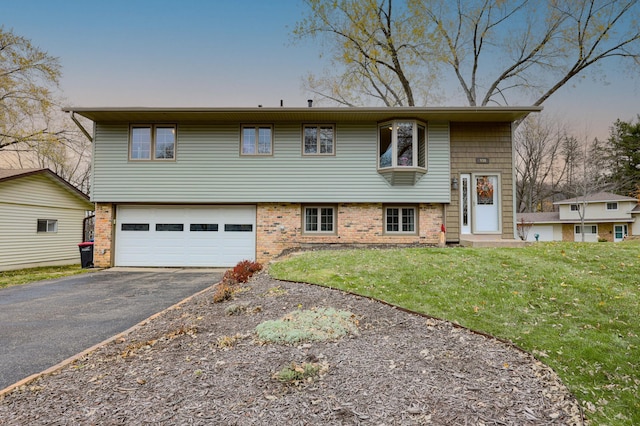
pixel 81 127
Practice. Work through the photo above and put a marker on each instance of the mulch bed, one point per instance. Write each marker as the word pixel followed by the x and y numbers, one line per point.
pixel 197 364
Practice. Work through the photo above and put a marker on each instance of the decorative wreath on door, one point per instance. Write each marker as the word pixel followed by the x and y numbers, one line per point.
pixel 485 187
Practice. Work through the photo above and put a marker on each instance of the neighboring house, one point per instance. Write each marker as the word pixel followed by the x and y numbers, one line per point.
pixel 607 216
pixel 212 186
pixel 41 219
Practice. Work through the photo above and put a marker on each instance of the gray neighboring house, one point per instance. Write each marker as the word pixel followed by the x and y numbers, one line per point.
pixel 212 186
pixel 607 216
pixel 41 219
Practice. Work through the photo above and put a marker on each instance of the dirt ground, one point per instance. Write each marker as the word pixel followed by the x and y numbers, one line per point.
pixel 202 363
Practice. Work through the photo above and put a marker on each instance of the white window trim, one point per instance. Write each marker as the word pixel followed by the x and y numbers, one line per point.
pixel 614 203
pixel 394 145
pixel 576 209
pixel 319 207
pixel 400 231
pixel 577 229
pixel 257 128
pixel 152 153
pixel 317 126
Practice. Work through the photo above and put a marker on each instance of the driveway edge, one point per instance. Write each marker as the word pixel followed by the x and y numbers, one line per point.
pixel 73 358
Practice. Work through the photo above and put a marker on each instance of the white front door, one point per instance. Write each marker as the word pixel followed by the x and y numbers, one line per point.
pixel 486 203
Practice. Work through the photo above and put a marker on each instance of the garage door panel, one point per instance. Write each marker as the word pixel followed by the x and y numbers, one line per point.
pixel 151 235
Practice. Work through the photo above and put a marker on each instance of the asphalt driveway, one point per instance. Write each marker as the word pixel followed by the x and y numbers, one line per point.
pixel 46 322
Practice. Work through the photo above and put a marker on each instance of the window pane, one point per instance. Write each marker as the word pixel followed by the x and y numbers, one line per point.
pixel 405 144
pixel 326 140
pixel 385 146
pixel 238 228
pixel 42 225
pixel 52 226
pixel 203 227
pixel 393 222
pixel 408 220
pixel 171 227
pixel 310 140
pixel 311 219
pixel 326 219
pixel 249 140
pixel 165 142
pixel 612 206
pixel 264 143
pixel 134 227
pixel 422 147
pixel 141 143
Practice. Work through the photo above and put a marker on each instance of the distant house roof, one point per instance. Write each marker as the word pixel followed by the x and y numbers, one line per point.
pixel 12 174
pixel 538 217
pixel 600 197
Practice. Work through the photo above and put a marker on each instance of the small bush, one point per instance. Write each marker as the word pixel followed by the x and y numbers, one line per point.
pixel 224 291
pixel 244 270
pixel 296 373
pixel 313 325
pixel 232 277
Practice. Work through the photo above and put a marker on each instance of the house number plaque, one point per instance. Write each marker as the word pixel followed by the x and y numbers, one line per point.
pixel 482 160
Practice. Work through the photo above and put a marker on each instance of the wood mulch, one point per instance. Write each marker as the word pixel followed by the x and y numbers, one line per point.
pixel 197 364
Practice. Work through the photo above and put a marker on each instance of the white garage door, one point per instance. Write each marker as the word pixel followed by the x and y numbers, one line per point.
pixel 545 233
pixel 184 235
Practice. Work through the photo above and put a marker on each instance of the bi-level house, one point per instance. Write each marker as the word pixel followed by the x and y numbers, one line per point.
pixel 607 216
pixel 212 186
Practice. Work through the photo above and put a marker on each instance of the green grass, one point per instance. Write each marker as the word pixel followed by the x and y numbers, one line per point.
pixel 574 306
pixel 23 276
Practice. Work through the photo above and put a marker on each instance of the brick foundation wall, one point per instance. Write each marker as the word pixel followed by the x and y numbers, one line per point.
pixel 279 227
pixel 103 240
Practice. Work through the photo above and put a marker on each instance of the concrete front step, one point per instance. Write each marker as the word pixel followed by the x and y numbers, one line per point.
pixel 490 241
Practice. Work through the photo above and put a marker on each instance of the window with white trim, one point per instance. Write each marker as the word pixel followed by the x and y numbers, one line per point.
pixel 47 225
pixel 256 140
pixel 319 139
pixel 319 219
pixel 575 207
pixel 152 142
pixel 588 229
pixel 612 206
pixel 400 220
pixel 402 143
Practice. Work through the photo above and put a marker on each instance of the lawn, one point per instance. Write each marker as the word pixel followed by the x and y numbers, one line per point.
pixel 23 276
pixel 575 306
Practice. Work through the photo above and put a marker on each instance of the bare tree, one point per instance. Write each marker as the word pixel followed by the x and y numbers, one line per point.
pixel 34 133
pixel 539 165
pixel 492 48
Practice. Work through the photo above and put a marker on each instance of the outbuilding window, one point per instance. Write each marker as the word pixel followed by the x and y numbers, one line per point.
pixel 47 225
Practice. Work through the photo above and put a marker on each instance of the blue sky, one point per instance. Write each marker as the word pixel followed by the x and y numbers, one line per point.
pixel 216 53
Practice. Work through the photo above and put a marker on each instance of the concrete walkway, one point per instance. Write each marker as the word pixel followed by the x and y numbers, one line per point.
pixel 44 323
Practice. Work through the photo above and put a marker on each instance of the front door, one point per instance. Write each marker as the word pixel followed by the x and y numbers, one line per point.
pixel 486 202
pixel 619 232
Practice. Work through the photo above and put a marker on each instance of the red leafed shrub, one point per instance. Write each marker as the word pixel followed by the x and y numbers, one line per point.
pixel 244 270
pixel 239 274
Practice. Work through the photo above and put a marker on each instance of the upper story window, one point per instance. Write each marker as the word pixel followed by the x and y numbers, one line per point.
pixel 402 144
pixel 152 142
pixel 575 207
pixel 319 139
pixel 612 206
pixel 256 140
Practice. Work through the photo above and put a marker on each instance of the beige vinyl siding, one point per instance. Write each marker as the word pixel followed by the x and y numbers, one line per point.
pixel 209 168
pixel 22 202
